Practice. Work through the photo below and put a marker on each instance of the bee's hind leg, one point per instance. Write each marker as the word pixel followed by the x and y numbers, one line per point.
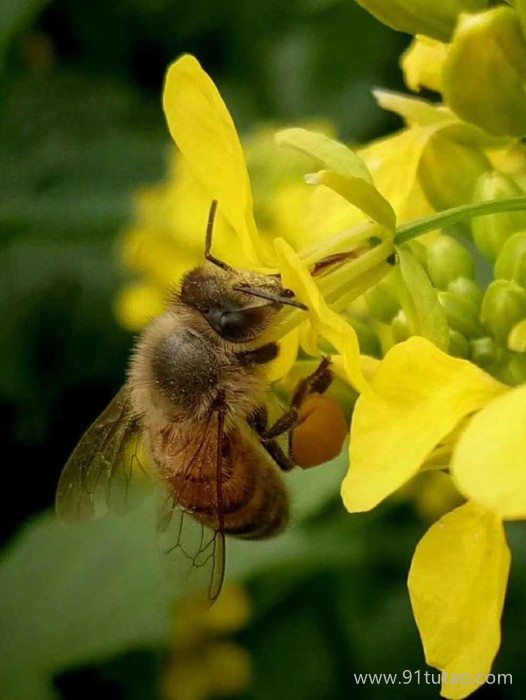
pixel 316 383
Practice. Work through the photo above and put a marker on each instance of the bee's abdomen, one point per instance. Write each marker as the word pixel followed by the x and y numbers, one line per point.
pixel 263 509
pixel 252 502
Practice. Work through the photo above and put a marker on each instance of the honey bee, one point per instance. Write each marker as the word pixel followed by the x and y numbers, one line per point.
pixel 193 416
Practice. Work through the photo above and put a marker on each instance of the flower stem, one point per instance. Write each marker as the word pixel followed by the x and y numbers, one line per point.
pixel 455 215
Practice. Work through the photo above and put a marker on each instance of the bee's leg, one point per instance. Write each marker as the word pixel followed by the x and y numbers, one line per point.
pixel 259 356
pixel 259 422
pixel 316 383
pixel 282 460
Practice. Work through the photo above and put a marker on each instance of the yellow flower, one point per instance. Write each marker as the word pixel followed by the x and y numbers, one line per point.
pixel 204 662
pixel 211 165
pixel 425 409
pixel 423 63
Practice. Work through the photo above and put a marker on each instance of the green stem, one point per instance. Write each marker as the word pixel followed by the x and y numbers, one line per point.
pixel 454 216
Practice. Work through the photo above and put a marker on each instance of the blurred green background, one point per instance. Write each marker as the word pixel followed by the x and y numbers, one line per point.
pixel 84 611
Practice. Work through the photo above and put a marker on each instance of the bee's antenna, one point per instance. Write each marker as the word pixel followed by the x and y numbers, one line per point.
pixel 284 298
pixel 208 239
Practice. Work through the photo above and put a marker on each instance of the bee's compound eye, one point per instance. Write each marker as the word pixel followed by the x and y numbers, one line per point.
pixel 233 323
pixel 236 325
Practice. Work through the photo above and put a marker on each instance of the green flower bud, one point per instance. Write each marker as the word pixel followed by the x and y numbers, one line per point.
pixel 468 289
pixel 461 314
pixel 492 231
pixel 517 369
pixel 458 345
pixel 510 368
pixel 483 351
pixel 517 337
pixel 434 19
pixel 485 72
pixel 503 306
pixel 511 263
pixel 382 300
pixel 400 327
pixel 447 260
pixel 449 171
pixel 367 338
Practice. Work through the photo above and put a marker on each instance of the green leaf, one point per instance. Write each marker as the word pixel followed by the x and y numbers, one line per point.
pixel 70 595
pixel 74 594
pixel 343 171
pixel 420 301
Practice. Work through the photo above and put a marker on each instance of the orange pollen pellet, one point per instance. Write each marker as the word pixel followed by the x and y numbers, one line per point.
pixel 320 433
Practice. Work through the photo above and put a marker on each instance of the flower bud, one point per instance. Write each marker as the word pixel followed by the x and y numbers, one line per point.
pixel 516 369
pixel 382 300
pixel 422 64
pixel 367 338
pixel 458 345
pixel 485 72
pixel 517 337
pixel 449 171
pixel 434 19
pixel 511 263
pixel 468 289
pixel 400 327
pixel 483 351
pixel 503 306
pixel 320 433
pixel 492 231
pixel 447 260
pixel 461 314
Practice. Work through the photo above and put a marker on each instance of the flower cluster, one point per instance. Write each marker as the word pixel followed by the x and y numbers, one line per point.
pixel 203 660
pixel 431 339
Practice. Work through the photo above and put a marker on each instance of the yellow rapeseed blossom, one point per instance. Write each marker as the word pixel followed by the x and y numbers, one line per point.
pixel 418 399
pixel 453 373
pixel 204 662
pixel 213 166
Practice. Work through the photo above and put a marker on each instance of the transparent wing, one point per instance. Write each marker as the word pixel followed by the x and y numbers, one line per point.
pixel 195 552
pixel 191 523
pixel 107 469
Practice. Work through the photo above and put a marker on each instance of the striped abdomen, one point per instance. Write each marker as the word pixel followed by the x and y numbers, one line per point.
pixel 252 499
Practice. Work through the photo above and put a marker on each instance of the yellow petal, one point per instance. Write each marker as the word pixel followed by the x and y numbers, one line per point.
pixel 358 192
pixel 489 463
pixel 422 64
pixel 390 156
pixel 344 172
pixel 517 337
pixel 417 396
pixel 324 320
pixel 137 304
pixel 204 132
pixel 485 71
pixel 457 584
pixel 434 19
pixel 413 110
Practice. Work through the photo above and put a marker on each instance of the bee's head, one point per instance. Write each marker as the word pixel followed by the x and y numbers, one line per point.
pixel 238 304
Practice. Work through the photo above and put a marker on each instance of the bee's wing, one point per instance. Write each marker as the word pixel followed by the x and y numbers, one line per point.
pixel 197 551
pixel 107 469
